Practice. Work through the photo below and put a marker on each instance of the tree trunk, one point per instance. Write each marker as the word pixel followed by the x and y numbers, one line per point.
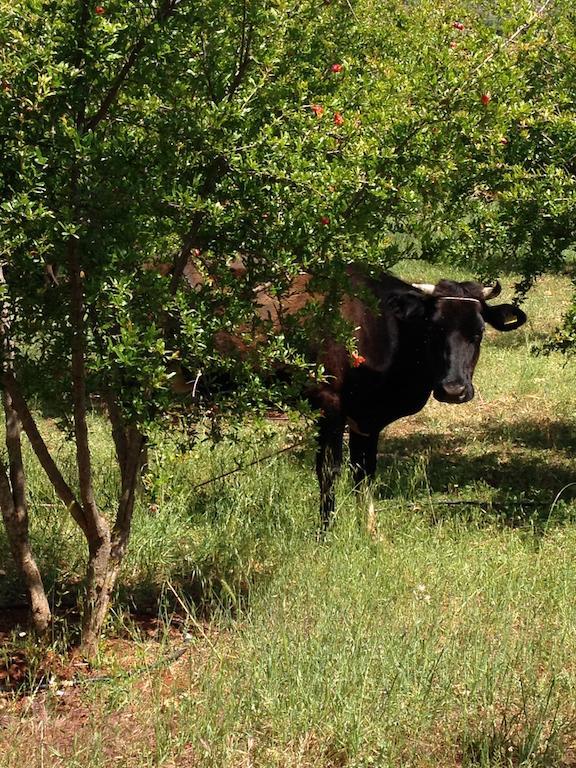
pixel 99 585
pixel 100 575
pixel 16 523
pixel 107 554
pixel 13 490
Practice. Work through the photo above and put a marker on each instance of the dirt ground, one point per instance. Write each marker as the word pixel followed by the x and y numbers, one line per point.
pixel 58 707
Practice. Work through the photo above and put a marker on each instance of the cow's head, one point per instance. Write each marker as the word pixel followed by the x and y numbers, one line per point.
pixel 456 314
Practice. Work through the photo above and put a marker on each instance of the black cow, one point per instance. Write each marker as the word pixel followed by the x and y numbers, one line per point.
pixel 412 341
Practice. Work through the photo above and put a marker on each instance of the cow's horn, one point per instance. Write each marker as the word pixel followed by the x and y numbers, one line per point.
pixel 490 292
pixel 424 287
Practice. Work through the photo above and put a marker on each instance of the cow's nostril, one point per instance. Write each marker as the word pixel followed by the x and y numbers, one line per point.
pixel 454 389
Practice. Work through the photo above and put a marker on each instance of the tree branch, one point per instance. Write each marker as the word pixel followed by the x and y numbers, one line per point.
pixel 121 532
pixel 118 432
pixel 14 448
pixel 243 53
pixel 114 89
pixel 537 14
pixel 215 171
pixel 81 39
pixel 206 70
pixel 164 12
pixel 13 490
pixel 78 345
pixel 47 463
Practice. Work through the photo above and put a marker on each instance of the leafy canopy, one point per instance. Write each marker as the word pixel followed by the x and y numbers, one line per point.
pixel 292 135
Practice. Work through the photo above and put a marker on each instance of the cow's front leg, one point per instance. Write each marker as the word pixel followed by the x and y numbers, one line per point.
pixel 328 464
pixel 363 456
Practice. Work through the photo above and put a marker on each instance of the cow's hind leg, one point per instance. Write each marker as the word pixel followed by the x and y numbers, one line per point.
pixel 328 464
pixel 363 456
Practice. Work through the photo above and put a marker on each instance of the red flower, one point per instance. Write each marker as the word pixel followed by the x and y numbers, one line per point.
pixel 325 220
pixel 338 119
pixel 336 68
pixel 99 10
pixel 357 359
pixel 317 109
pixel 486 98
pixel 458 25
pixel 453 44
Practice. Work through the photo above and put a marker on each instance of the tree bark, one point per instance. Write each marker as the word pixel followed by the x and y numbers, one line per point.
pixel 47 463
pixel 99 577
pixel 98 592
pixel 15 516
pixel 107 555
pixel 13 490
pixel 106 548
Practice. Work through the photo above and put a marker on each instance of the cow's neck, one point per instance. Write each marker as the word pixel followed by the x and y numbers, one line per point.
pixel 373 399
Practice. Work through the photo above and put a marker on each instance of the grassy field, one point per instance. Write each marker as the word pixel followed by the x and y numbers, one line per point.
pixel 448 640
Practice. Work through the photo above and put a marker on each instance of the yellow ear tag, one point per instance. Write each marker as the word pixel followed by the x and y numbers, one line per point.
pixel 510 318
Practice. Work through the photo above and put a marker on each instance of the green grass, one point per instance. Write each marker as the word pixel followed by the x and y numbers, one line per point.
pixel 422 654
pixel 448 640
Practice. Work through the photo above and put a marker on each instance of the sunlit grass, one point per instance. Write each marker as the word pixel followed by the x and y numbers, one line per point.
pixel 448 640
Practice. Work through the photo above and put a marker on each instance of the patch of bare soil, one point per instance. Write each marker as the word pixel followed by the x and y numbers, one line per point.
pixel 65 708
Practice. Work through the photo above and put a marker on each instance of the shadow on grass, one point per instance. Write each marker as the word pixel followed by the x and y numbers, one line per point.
pixel 516 469
pixel 542 739
pixel 559 435
pixel 146 610
pixel 503 471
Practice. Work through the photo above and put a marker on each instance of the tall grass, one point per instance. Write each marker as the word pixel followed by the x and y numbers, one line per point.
pixel 448 640
pixel 439 646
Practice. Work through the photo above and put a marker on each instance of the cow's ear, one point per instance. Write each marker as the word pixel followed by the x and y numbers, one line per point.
pixel 407 305
pixel 504 317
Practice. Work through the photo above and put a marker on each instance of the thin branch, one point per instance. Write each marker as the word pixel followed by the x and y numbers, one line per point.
pixel 538 13
pixel 243 52
pixel 259 460
pixel 118 431
pixel 215 171
pixel 135 443
pixel 180 258
pixel 206 70
pixel 78 345
pixel 43 455
pixel 81 40
pixel 164 13
pixel 242 46
pixel 117 83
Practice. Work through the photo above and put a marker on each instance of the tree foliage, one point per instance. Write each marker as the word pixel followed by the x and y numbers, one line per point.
pixel 292 135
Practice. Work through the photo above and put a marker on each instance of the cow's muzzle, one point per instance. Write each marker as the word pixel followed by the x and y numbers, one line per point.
pixel 454 392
